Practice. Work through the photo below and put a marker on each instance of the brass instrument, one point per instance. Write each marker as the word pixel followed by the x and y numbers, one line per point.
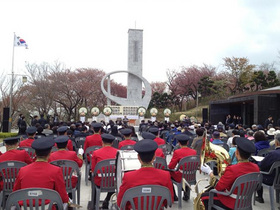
pixel 211 152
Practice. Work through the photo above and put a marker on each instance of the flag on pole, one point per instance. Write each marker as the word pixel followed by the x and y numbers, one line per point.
pixel 19 42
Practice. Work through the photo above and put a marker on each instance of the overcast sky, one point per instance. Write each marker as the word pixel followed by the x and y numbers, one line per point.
pixel 176 33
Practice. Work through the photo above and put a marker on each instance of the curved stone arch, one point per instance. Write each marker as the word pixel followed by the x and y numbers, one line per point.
pixel 126 101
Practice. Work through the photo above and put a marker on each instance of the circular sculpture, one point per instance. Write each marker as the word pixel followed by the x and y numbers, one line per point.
pixel 83 111
pixel 167 112
pixel 95 111
pixel 128 101
pixel 153 112
pixel 141 111
pixel 107 111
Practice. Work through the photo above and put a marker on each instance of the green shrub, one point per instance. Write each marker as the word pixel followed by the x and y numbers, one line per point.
pixel 7 135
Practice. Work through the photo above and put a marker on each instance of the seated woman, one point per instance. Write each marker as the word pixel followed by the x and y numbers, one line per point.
pixel 261 141
pixel 232 152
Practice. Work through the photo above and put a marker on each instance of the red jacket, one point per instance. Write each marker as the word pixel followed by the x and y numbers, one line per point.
pixel 70 145
pixel 177 156
pixel 26 143
pixel 42 175
pixel 17 155
pixel 65 155
pixel 103 153
pixel 159 153
pixel 145 176
pixel 126 142
pixel 159 141
pixel 231 174
pixel 93 140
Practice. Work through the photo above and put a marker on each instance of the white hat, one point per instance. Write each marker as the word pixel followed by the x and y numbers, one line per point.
pixel 271 131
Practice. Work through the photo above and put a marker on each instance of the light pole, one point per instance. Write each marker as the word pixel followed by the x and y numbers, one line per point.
pixel 24 80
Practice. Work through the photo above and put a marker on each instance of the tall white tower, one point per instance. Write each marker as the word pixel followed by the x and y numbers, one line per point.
pixel 135 54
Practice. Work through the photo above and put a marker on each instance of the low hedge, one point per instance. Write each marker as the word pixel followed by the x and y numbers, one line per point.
pixel 7 135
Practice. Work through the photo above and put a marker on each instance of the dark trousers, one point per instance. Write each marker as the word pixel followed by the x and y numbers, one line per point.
pixel 205 200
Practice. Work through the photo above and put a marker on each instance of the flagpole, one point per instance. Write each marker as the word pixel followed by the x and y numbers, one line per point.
pixel 11 89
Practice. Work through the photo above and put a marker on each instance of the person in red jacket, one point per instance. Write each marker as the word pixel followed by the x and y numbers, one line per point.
pixel 94 139
pixel 12 153
pixel 127 135
pixel 178 154
pixel 158 140
pixel 63 154
pixel 147 174
pixel 148 135
pixel 244 150
pixel 42 174
pixel 62 131
pixel 106 152
pixel 31 132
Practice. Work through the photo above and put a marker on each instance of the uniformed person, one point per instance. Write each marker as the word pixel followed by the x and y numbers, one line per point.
pixel 62 131
pixel 42 174
pixel 147 174
pixel 94 139
pixel 148 135
pixel 63 154
pixel 158 140
pixel 244 150
pixel 12 153
pixel 178 154
pixel 106 152
pixel 31 133
pixel 127 138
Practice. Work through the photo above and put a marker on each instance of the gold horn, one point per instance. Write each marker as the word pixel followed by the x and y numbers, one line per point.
pixel 211 152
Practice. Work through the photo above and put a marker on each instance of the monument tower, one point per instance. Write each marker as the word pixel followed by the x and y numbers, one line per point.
pixel 135 79
pixel 135 52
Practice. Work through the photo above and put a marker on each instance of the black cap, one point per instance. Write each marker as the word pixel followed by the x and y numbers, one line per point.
pixel 148 135
pixel 245 145
pixel 145 145
pixel 107 137
pixel 61 139
pixel 216 134
pixel 31 130
pixel 11 139
pixel 43 143
pixel 96 125
pixel 62 129
pixel 182 137
pixel 126 131
pixel 153 130
pixel 231 125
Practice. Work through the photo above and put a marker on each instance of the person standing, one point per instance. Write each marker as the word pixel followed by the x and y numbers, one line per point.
pixel 19 122
pixel 42 121
pixel 22 126
pixel 268 121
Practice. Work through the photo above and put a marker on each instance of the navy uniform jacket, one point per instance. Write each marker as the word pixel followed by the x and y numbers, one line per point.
pixel 267 162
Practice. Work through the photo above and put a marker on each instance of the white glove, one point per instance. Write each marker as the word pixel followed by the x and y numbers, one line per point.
pixel 80 151
pixel 206 169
